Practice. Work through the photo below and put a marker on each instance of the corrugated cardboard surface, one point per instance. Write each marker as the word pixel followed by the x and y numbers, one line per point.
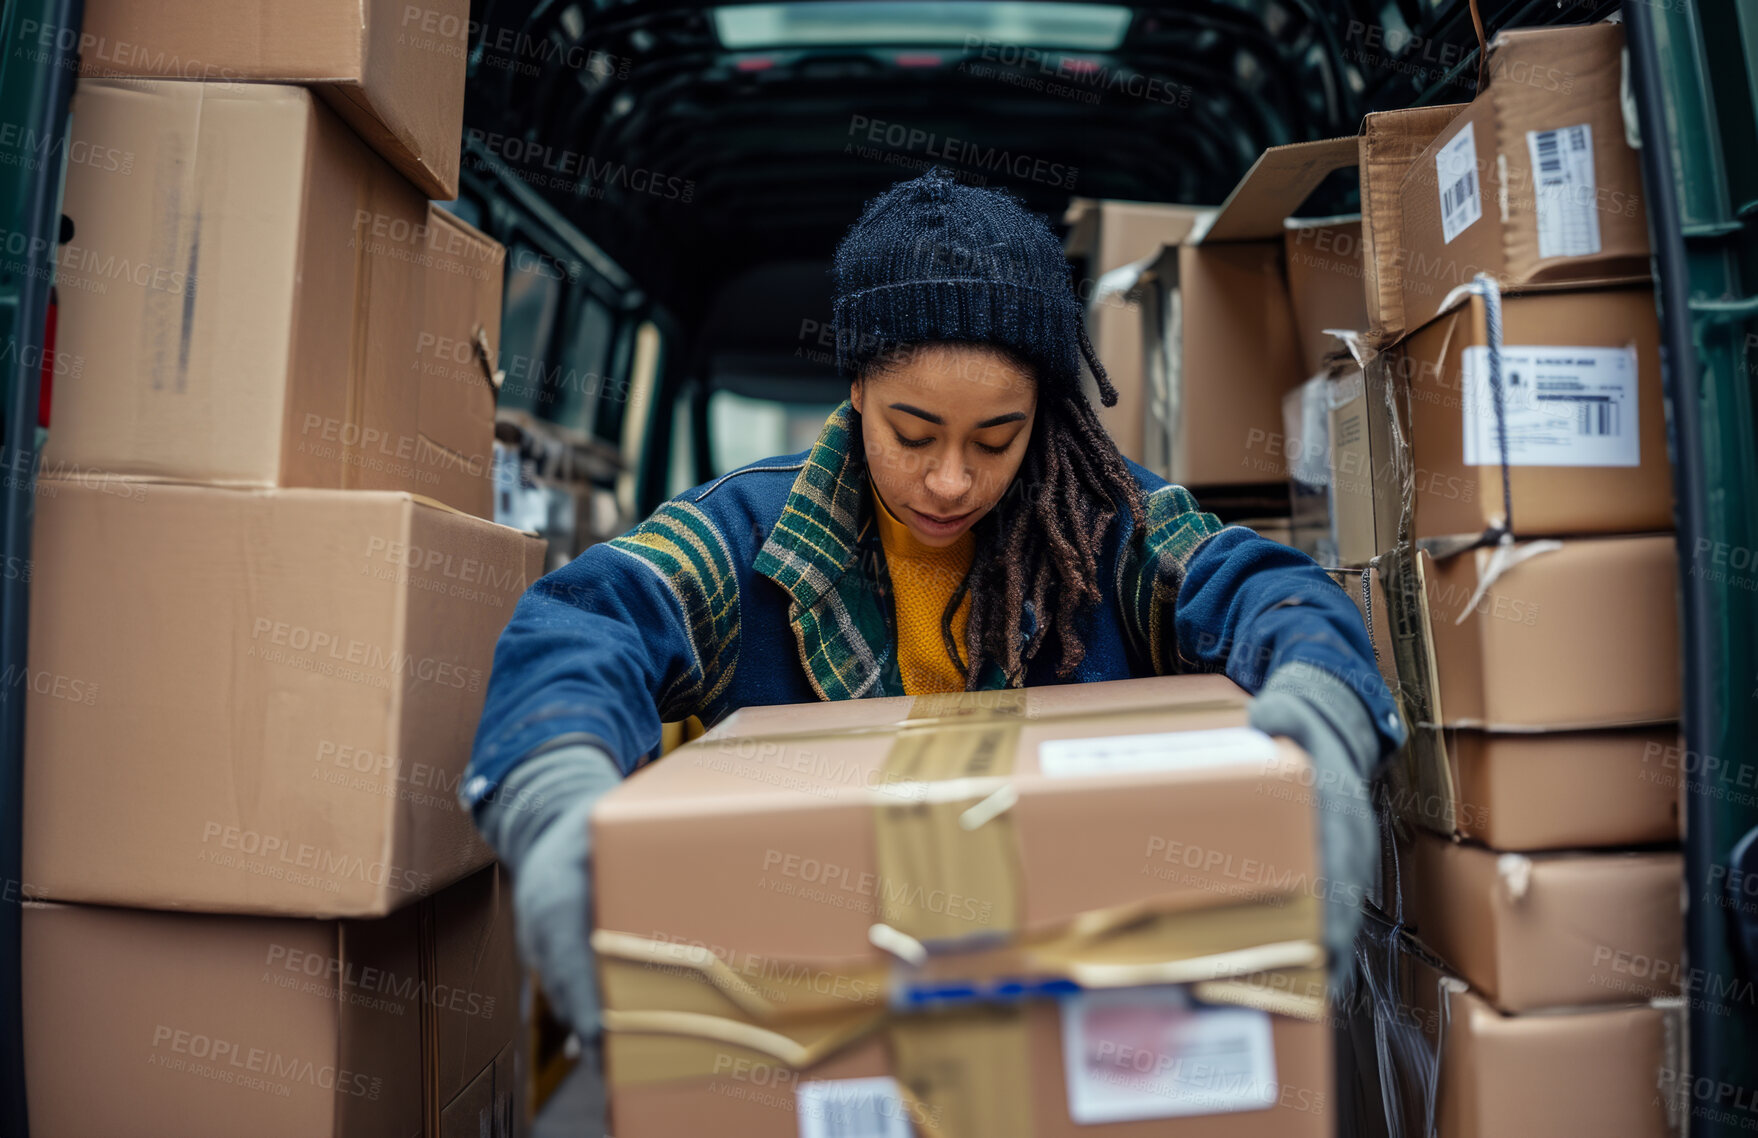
pixel 762 842
pixel 1568 789
pixel 1389 141
pixel 713 842
pixel 1364 472
pixel 1550 930
pixel 1325 285
pixel 1107 235
pixel 1539 80
pixel 277 694
pixel 1585 635
pixel 1451 498
pixel 1588 1072
pixel 1450 1064
pixel 254 298
pixel 394 71
pixel 185 1025
pixel 759 1102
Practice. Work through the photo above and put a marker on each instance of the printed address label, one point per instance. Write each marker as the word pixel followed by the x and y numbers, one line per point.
pixel 1562 406
pixel 1163 751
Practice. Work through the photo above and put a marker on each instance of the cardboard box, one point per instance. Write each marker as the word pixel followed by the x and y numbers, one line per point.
pixel 1389 142
pixel 254 298
pixel 1219 330
pixel 393 71
pixel 747 881
pixel 262 701
pixel 1365 501
pixel 1325 285
pixel 1589 458
pixel 1441 1060
pixel 1610 1072
pixel 218 1026
pixel 1105 238
pixel 1550 930
pixel 1306 448
pixel 1566 790
pixel 1533 183
pixel 1580 634
pixel 1586 417
pixel 1505 707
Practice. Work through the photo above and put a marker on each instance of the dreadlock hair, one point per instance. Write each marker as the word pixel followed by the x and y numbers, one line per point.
pixel 1039 546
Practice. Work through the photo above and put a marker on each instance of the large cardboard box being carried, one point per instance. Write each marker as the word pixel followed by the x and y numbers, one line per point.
pixel 1533 182
pixel 885 905
pixel 1219 333
pixel 1106 239
pixel 255 298
pixel 270 695
pixel 211 1027
pixel 394 71
pixel 1585 420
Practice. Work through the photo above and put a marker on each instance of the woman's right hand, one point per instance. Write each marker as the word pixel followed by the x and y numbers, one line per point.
pixel 537 822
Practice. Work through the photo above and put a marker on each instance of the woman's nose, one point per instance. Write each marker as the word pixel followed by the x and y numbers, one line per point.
pixel 948 481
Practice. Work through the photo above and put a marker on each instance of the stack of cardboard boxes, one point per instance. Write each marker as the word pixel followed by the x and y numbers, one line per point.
pixel 268 592
pixel 1502 495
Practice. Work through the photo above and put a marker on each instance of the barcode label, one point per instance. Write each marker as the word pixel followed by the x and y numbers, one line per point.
pixel 852 1108
pixel 1140 1053
pixel 1461 197
pixel 1564 191
pixel 1562 406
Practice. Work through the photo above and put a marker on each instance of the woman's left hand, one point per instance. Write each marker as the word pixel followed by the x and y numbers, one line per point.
pixel 1329 721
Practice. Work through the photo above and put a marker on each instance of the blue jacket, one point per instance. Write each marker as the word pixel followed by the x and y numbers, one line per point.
pixel 767 585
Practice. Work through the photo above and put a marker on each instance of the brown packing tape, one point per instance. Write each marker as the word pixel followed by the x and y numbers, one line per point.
pixel 962 1070
pixel 677 1012
pixel 928 844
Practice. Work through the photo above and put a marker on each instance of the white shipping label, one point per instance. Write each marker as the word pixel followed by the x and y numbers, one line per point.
pixel 852 1108
pixel 1562 176
pixel 1455 167
pixel 1564 407
pixel 1139 1053
pixel 1170 750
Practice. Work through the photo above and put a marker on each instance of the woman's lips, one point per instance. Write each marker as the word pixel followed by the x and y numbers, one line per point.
pixel 941 526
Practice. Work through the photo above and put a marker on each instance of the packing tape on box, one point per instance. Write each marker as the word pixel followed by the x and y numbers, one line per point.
pixel 673 1011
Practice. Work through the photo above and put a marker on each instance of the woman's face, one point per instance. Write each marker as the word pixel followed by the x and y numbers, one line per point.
pixel 945 429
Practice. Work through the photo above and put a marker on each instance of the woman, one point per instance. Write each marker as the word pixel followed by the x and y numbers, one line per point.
pixel 963 522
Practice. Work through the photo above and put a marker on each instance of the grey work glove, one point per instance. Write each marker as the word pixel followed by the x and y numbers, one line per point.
pixel 1321 713
pixel 536 821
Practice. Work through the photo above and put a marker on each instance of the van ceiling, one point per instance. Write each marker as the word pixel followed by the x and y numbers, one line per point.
pixel 690 161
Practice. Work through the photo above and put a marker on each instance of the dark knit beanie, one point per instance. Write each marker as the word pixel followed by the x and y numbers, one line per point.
pixel 934 260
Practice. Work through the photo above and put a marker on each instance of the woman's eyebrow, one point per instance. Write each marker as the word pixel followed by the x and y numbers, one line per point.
pixel 918 413
pixel 1010 417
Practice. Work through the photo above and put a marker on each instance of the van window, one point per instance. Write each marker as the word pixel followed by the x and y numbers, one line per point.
pixel 528 318
pixel 574 397
pixel 743 430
